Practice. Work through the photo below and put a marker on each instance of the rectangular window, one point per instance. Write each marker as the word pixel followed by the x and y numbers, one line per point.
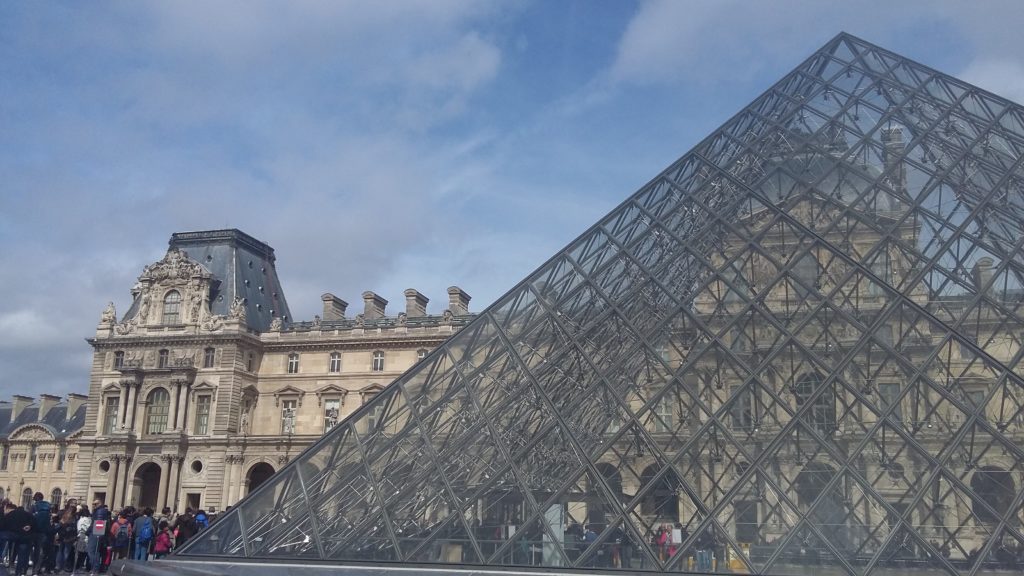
pixel 378 361
pixel 110 414
pixel 164 356
pixel 208 356
pixel 332 412
pixel 62 457
pixel 663 411
pixel 373 418
pixel 335 366
pixel 202 414
pixel 249 362
pixel 293 363
pixel 118 359
pixel 888 395
pixel 744 415
pixel 33 453
pixel 4 455
pixel 288 416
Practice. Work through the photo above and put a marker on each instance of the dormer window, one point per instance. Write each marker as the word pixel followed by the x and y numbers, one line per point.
pixel 172 307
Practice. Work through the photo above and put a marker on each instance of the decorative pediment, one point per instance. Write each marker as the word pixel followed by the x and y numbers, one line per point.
pixel 111 387
pixel 371 389
pixel 330 390
pixel 32 433
pixel 175 266
pixel 204 387
pixel 288 392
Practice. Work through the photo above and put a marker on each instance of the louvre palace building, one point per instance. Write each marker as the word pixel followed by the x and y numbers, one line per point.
pixel 206 386
pixel 796 349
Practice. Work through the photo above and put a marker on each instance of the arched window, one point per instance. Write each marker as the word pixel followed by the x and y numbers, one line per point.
pixel 378 361
pixel 335 366
pixel 156 416
pixel 293 363
pixel 823 412
pixel 26 497
pixel 56 498
pixel 172 307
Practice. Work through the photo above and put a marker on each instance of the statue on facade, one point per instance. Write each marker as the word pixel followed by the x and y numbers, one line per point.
pixel 276 324
pixel 237 310
pixel 109 315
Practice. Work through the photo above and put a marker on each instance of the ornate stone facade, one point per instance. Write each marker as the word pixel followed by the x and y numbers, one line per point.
pixel 206 386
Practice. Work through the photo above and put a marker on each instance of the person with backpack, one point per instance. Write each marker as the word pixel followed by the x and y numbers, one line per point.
pixel 120 537
pixel 162 544
pixel 184 528
pixel 202 521
pixel 84 529
pixel 144 529
pixel 40 530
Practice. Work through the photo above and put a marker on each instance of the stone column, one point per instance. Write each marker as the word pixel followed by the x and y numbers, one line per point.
pixel 236 479
pixel 162 492
pixel 122 415
pixel 133 392
pixel 122 497
pixel 172 483
pixel 115 462
pixel 174 404
pixel 179 417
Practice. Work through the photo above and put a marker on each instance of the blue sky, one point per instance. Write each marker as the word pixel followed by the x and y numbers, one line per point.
pixel 377 145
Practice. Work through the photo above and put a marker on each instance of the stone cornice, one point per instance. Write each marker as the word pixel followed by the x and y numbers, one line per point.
pixel 320 344
pixel 150 340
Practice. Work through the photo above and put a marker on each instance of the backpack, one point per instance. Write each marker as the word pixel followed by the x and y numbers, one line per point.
pixel 68 532
pixel 42 516
pixel 146 532
pixel 121 536
pixel 202 521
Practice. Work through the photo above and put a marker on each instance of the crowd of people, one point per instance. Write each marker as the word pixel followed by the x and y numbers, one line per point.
pixel 79 539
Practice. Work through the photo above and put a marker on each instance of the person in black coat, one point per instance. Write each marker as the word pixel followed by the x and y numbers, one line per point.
pixel 16 526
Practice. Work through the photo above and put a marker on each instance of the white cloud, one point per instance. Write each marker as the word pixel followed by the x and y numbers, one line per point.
pixel 1002 77
pixel 25 328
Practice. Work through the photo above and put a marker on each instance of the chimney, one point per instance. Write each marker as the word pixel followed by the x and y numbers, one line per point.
pixel 415 303
pixel 75 401
pixel 982 273
pixel 334 307
pixel 20 403
pixel 46 403
pixel 458 301
pixel 373 306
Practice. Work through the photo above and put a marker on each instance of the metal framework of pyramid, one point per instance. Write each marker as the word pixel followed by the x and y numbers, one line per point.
pixel 799 344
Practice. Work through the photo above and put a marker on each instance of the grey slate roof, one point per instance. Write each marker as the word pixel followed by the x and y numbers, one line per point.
pixel 56 421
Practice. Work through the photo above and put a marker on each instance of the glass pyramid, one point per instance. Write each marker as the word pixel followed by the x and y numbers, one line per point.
pixel 798 345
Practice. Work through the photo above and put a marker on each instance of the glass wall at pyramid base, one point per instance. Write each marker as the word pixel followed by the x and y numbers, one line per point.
pixel 796 350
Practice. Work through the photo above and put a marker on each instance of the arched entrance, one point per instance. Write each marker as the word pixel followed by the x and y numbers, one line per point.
pixel 662 499
pixel 597 509
pixel 830 512
pixel 146 486
pixel 259 474
pixel 994 487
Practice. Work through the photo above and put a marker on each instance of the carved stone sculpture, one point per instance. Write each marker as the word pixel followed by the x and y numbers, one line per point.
pixel 109 315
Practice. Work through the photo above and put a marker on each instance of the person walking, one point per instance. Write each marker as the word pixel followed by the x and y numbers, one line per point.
pixel 144 529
